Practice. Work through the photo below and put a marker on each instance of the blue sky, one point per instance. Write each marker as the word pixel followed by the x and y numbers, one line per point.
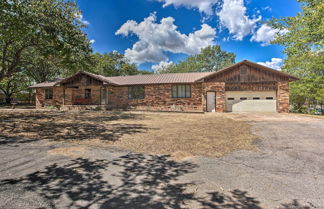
pixel 159 32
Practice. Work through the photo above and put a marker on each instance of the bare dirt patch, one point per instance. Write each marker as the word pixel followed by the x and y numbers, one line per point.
pixel 73 152
pixel 178 135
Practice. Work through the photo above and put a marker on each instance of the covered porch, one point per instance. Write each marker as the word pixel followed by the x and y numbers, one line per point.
pixel 82 89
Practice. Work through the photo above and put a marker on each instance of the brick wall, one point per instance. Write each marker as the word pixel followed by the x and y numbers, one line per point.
pixel 157 98
pixel 219 88
pixel 283 97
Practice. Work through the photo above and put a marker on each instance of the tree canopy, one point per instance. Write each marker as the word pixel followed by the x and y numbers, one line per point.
pixel 211 58
pixel 113 64
pixel 10 86
pixel 47 27
pixel 304 47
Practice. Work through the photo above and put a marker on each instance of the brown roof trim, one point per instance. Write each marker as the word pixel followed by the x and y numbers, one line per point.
pixel 46 84
pixel 291 78
pixel 105 80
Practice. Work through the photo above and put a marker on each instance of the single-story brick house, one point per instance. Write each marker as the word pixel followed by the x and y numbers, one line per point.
pixel 242 87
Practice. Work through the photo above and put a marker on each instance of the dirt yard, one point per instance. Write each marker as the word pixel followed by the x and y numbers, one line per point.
pixel 178 135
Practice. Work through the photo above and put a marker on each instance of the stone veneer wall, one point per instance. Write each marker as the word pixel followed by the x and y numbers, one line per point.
pixel 219 88
pixel 57 97
pixel 157 98
pixel 283 97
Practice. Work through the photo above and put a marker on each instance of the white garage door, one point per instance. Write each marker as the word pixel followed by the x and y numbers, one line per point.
pixel 251 101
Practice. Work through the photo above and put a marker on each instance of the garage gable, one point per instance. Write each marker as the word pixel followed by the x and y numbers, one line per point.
pixel 248 72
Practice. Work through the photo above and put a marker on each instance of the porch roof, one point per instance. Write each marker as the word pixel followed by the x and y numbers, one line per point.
pixel 47 83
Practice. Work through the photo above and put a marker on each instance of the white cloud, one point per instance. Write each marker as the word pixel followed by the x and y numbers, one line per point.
pixel 265 34
pixel 267 8
pixel 162 66
pixel 205 6
pixel 233 17
pixel 92 41
pixel 275 63
pixel 157 38
pixel 81 19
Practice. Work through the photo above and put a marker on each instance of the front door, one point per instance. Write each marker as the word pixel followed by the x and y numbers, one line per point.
pixel 104 96
pixel 211 101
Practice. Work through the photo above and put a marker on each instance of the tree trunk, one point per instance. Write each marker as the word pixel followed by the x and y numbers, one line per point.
pixel 8 99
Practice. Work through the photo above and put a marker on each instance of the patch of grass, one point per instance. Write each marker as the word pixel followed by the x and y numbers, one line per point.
pixel 176 134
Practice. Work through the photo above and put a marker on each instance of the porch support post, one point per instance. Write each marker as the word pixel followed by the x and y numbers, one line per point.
pixel 63 96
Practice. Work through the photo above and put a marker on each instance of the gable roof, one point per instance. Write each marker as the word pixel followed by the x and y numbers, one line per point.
pixel 253 64
pixel 168 78
pixel 104 79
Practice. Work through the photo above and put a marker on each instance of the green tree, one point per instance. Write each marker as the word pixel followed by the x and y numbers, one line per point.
pixel 14 84
pixel 114 64
pixel 304 47
pixel 43 68
pixel 52 27
pixel 211 58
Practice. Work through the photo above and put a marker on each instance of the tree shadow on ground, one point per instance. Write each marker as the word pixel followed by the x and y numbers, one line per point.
pixel 14 141
pixel 294 205
pixel 131 181
pixel 70 125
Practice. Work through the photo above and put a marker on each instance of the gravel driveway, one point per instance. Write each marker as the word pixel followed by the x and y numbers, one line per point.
pixel 287 171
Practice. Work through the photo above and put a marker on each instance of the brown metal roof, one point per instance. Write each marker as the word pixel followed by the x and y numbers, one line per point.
pixel 104 79
pixel 47 83
pixel 158 78
pixel 135 79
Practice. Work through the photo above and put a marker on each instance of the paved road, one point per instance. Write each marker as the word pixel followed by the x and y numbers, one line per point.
pixel 287 171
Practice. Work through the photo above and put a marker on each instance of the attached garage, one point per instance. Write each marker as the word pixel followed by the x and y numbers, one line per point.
pixel 251 101
pixel 247 87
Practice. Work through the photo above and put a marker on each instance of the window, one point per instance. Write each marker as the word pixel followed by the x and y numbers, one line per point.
pixel 243 98
pixel 230 98
pixel 181 91
pixel 256 98
pixel 136 92
pixel 269 98
pixel 48 93
pixel 87 93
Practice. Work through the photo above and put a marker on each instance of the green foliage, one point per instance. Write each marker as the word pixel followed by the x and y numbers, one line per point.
pixel 211 58
pixel 43 68
pixel 14 84
pixel 49 28
pixel 113 64
pixel 304 47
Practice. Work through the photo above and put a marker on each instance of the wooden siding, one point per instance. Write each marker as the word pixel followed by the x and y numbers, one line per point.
pixel 252 86
pixel 81 80
pixel 248 78
pixel 246 74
